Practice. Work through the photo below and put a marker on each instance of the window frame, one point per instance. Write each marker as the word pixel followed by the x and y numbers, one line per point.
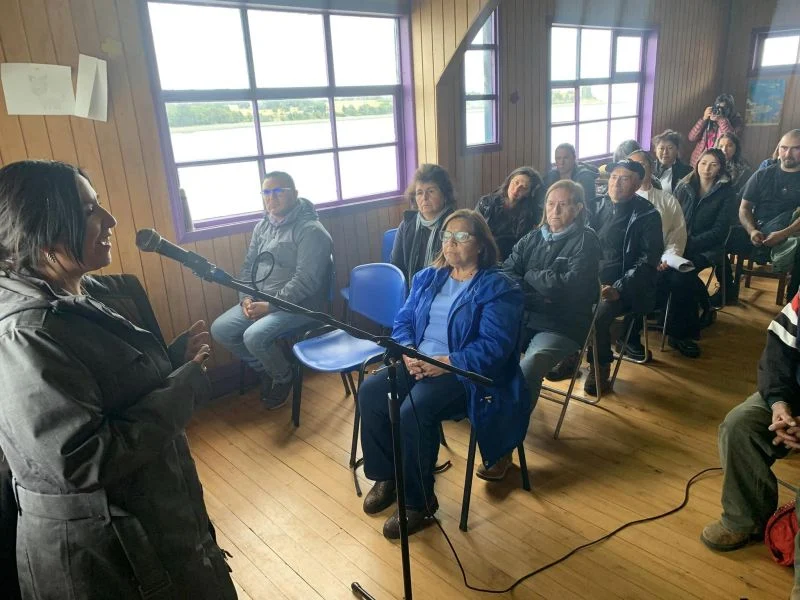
pixel 465 97
pixel 758 37
pixel 188 230
pixel 643 77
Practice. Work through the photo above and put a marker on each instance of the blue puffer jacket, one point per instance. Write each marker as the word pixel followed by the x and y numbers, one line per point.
pixel 483 330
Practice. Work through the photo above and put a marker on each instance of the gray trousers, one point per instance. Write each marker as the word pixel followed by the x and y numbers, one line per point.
pixel 749 487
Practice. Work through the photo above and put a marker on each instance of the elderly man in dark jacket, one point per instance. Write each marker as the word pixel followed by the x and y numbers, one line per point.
pixel 753 436
pixel 631 241
pixel 298 272
pixel 556 266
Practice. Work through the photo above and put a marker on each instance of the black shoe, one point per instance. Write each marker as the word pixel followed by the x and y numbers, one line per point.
pixel 564 369
pixel 380 497
pixel 278 395
pixel 590 385
pixel 688 348
pixel 634 350
pixel 417 521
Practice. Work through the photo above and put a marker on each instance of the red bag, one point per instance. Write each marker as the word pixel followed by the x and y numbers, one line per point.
pixel 779 535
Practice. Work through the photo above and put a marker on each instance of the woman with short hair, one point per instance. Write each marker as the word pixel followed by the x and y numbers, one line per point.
pixel 514 208
pixel 669 168
pixel 464 311
pixel 417 242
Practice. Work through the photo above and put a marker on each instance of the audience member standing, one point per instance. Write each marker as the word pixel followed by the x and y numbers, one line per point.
pixel 716 120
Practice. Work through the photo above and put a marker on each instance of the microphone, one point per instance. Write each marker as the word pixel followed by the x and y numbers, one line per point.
pixel 149 240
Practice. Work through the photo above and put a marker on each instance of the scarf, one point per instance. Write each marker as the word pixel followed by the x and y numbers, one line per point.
pixel 550 236
pixel 432 225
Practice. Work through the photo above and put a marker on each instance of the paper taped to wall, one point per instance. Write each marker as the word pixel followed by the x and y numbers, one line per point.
pixel 91 100
pixel 35 89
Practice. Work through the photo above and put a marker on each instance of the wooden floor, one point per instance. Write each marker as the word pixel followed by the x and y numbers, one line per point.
pixel 284 505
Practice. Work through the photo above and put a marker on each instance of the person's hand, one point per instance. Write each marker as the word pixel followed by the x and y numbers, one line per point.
pixel 202 356
pixel 708 113
pixel 784 426
pixel 756 237
pixel 256 310
pixel 246 306
pixel 429 370
pixel 196 338
pixel 609 293
pixel 775 238
pixel 412 365
pixel 662 266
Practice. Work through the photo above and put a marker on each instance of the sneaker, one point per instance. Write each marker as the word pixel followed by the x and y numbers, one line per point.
pixel 590 386
pixel 380 497
pixel 497 471
pixel 634 350
pixel 718 537
pixel 563 370
pixel 278 395
pixel 417 520
pixel 688 348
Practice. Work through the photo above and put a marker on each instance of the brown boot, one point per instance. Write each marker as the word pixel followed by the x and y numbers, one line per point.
pixel 718 537
pixel 497 471
pixel 590 385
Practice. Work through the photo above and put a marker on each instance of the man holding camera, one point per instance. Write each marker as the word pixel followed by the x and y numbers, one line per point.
pixel 716 120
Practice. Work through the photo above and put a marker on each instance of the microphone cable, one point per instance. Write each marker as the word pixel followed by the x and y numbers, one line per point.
pixel 691 481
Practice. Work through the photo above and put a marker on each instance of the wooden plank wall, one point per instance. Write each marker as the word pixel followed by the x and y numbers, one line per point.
pixel 691 32
pixel 759 142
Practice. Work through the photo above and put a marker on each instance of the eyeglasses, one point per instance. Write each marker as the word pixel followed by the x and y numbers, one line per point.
pixel 459 237
pixel 275 191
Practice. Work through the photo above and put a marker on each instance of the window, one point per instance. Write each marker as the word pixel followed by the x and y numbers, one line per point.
pixel 480 88
pixel 776 51
pixel 597 88
pixel 245 91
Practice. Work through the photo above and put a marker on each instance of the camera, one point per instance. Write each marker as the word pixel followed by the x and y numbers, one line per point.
pixel 718 109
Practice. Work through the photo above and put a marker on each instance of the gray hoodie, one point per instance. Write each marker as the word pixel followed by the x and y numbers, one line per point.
pixel 302 250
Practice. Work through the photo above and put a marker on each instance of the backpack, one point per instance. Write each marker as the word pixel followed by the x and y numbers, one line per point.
pixel 780 533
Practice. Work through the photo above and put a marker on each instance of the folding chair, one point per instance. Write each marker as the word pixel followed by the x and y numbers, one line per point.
pixel 473 442
pixel 378 292
pixel 386 253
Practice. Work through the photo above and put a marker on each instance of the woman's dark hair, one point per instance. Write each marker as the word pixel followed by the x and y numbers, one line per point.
pixel 489 253
pixel 694 179
pixel 39 207
pixel 566 146
pixel 668 135
pixel 530 173
pixel 430 173
pixel 576 195
pixel 737 156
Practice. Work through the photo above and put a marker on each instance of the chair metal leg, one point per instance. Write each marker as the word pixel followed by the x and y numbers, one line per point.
pixel 354 464
pixel 749 269
pixel 571 387
pixel 446 464
pixel 242 373
pixel 297 390
pixel 468 479
pixel 666 318
pixel 346 385
pixel 620 358
pixel 523 467
pixel 781 293
pixel 442 438
pixel 353 385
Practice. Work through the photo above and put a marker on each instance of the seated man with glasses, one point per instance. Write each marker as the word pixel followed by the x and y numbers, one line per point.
pixel 297 271
pixel 631 243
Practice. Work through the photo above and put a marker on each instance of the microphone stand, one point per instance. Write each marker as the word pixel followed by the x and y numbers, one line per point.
pixel 394 353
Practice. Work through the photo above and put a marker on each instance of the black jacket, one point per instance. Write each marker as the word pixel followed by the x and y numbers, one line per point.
pixel 509 227
pixel 643 247
pixel 92 421
pixel 402 250
pixel 583 173
pixel 679 171
pixel 559 279
pixel 707 217
pixel 779 367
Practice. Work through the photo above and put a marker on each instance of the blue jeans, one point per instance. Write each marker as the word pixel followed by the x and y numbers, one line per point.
pixel 545 350
pixel 435 399
pixel 254 341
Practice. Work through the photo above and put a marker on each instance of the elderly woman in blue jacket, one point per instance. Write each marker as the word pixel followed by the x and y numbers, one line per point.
pixel 463 311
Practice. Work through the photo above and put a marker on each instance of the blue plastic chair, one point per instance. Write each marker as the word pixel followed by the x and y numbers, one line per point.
pixel 377 292
pixel 386 254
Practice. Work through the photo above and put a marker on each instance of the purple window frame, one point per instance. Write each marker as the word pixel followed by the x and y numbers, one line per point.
pixel 494 47
pixel 758 36
pixel 401 93
pixel 645 78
